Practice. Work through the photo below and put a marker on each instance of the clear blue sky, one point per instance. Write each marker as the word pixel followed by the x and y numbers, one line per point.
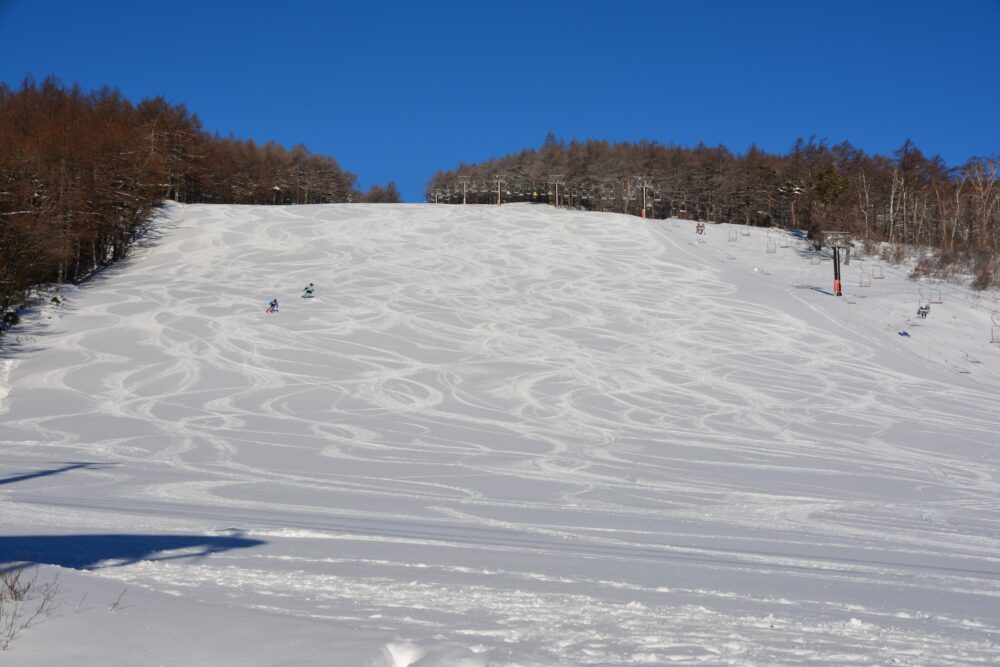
pixel 398 90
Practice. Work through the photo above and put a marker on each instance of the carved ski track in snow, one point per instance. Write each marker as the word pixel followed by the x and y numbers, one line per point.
pixel 483 388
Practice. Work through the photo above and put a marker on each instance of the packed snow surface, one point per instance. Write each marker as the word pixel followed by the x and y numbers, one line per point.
pixel 509 436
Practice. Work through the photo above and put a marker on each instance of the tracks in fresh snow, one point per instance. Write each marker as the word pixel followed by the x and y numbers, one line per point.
pixel 566 433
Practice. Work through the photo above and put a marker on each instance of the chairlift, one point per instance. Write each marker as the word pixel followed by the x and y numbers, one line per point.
pixel 878 273
pixel 733 235
pixel 745 230
pixel 923 305
pixel 864 278
pixel 995 315
pixel 782 239
pixel 936 296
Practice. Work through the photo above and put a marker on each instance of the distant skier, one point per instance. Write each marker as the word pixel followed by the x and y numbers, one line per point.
pixel 307 292
pixel 272 307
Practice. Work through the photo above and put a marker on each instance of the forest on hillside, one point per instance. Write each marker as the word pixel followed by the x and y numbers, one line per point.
pixel 80 173
pixel 904 199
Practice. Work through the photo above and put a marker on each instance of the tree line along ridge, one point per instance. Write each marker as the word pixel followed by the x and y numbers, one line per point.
pixel 904 199
pixel 80 173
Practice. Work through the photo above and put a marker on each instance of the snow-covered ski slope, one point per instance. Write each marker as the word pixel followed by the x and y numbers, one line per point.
pixel 500 436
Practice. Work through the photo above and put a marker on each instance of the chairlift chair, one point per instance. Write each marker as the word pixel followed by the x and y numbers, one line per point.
pixel 995 315
pixel 864 278
pixel 744 230
pixel 878 273
pixel 733 235
pixel 924 304
pixel 936 296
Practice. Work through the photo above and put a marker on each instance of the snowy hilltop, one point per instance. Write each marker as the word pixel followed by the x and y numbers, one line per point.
pixel 472 436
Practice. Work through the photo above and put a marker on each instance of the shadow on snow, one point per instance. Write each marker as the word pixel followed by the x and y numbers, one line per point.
pixel 87 552
pixel 70 465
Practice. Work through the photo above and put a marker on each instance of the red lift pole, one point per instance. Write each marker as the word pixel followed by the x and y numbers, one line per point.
pixel 837 241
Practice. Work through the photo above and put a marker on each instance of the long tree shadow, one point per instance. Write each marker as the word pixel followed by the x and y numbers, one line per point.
pixel 70 465
pixel 88 552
